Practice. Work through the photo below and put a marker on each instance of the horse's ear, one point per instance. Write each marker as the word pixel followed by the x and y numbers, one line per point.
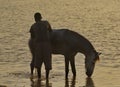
pixel 99 53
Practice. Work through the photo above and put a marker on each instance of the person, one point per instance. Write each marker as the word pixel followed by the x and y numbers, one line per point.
pixel 40 45
pixel 38 18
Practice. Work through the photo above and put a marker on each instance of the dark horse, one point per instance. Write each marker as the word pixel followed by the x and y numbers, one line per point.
pixel 69 43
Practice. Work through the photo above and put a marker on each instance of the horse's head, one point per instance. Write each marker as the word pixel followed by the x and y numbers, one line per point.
pixel 90 61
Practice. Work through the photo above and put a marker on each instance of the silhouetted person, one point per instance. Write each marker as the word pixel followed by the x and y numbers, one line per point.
pixel 38 18
pixel 40 45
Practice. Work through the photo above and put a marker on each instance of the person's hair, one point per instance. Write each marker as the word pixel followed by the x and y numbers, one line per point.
pixel 37 16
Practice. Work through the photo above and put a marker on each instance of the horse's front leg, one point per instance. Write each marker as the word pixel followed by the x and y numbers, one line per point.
pixel 39 73
pixel 72 62
pixel 66 67
pixel 47 74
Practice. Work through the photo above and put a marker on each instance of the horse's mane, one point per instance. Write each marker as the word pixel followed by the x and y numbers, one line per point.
pixel 87 43
pixel 81 39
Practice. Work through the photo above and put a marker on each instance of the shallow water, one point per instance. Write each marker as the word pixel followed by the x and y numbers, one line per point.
pixel 97 20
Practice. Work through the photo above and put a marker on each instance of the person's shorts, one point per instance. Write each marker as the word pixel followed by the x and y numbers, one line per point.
pixel 43 55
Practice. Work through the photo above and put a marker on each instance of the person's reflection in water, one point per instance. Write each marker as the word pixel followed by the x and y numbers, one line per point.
pixel 89 82
pixel 39 83
pixel 72 84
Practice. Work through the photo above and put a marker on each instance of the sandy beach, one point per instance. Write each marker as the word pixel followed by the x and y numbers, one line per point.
pixel 97 20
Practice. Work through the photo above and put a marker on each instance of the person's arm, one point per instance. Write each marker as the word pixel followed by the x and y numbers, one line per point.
pixel 32 32
pixel 49 26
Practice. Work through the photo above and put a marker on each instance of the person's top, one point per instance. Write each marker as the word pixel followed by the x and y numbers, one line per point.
pixel 40 31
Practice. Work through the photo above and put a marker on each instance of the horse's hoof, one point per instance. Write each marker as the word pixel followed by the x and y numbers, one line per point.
pixel 74 77
pixel 39 79
pixel 88 74
pixel 66 77
pixel 31 77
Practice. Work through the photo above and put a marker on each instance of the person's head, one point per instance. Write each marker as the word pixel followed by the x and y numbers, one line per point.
pixel 37 16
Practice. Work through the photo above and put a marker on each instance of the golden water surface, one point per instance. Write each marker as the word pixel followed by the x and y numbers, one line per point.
pixel 97 20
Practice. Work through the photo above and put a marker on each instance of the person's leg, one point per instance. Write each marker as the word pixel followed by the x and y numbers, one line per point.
pixel 38 59
pixel 47 59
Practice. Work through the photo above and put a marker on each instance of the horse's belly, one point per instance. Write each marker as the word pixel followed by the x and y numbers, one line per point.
pixel 57 51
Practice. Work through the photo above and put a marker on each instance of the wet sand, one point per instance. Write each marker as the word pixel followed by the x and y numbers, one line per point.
pixel 97 20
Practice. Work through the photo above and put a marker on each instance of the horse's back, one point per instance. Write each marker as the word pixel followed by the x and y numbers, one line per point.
pixel 67 36
pixel 66 39
pixel 58 41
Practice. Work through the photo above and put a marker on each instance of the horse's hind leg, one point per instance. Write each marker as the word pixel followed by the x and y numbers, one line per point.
pixel 31 46
pixel 66 67
pixel 72 62
pixel 32 66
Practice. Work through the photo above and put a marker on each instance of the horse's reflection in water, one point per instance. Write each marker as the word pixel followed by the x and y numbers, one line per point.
pixel 72 83
pixel 89 83
pixel 39 83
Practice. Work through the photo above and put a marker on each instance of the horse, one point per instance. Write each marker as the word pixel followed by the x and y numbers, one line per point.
pixel 68 43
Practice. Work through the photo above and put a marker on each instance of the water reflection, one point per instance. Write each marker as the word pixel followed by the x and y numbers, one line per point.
pixel 68 83
pixel 89 82
pixel 39 83
pixel 72 83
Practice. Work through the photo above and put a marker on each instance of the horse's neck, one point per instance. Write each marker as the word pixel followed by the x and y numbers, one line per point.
pixel 85 46
pixel 88 51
